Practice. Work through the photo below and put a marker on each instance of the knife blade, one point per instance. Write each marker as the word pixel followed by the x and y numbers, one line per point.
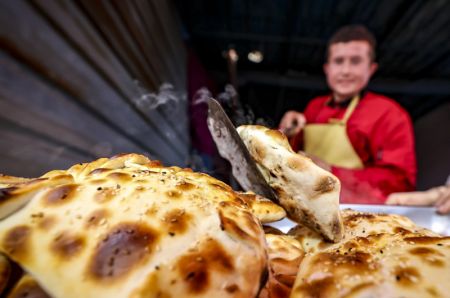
pixel 232 148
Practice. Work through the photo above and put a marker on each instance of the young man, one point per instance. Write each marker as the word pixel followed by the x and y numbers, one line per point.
pixel 364 138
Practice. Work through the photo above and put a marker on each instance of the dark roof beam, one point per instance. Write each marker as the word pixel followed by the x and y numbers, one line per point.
pixel 417 87
pixel 228 35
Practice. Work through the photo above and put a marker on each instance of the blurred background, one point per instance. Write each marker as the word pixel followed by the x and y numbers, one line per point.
pixel 86 79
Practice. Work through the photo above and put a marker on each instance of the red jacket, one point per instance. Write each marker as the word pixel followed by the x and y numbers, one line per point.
pixel 382 135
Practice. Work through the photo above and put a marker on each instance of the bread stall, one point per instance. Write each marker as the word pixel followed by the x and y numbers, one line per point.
pixel 101 192
pixel 127 226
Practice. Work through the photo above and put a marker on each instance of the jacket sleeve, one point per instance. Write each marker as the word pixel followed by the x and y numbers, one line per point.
pixel 392 165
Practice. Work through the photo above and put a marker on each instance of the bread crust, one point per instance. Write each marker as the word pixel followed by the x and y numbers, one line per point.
pixel 129 227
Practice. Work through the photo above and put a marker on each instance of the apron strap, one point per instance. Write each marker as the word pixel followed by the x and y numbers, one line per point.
pixel 351 107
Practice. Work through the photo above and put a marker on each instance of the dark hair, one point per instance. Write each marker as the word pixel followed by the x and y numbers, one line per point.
pixel 353 33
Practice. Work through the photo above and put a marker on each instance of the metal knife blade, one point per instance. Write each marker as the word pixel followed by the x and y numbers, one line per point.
pixel 232 148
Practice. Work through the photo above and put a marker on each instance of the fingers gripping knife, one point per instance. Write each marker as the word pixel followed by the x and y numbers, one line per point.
pixel 232 148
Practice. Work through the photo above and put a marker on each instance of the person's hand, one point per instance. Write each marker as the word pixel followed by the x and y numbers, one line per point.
pixel 414 198
pixel 292 123
pixel 437 196
pixel 443 203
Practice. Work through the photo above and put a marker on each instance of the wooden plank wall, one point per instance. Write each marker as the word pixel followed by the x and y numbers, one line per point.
pixel 68 83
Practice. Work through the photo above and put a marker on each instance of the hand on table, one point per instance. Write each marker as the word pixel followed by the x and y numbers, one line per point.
pixel 443 203
pixel 437 196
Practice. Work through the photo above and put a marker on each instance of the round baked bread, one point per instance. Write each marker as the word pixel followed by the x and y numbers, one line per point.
pixel 381 255
pixel 378 265
pixel 27 287
pixel 5 272
pixel 129 227
pixel 285 256
pixel 308 193
pixel 7 181
pixel 359 224
pixel 264 209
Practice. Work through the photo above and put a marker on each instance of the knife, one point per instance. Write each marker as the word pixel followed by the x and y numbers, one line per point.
pixel 232 148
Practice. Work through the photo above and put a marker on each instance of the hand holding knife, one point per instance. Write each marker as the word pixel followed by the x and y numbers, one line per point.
pixel 292 123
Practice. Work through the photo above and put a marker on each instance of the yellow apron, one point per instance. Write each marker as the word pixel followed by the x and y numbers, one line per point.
pixel 329 141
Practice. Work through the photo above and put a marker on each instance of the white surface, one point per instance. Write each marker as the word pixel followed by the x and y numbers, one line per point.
pixel 423 216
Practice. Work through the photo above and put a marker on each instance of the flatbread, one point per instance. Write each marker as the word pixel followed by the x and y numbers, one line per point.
pixel 7 181
pixel 16 195
pixel 129 227
pixel 27 287
pixel 359 224
pixel 380 255
pixel 309 194
pixel 5 273
pixel 285 256
pixel 379 265
pixel 264 209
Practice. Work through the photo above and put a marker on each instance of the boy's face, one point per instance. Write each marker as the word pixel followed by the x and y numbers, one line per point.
pixel 348 68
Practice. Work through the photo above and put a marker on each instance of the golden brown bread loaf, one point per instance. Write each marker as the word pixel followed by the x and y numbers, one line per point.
pixel 358 224
pixel 378 265
pixel 264 209
pixel 128 227
pixel 285 256
pixel 27 287
pixel 5 273
pixel 380 255
pixel 309 194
